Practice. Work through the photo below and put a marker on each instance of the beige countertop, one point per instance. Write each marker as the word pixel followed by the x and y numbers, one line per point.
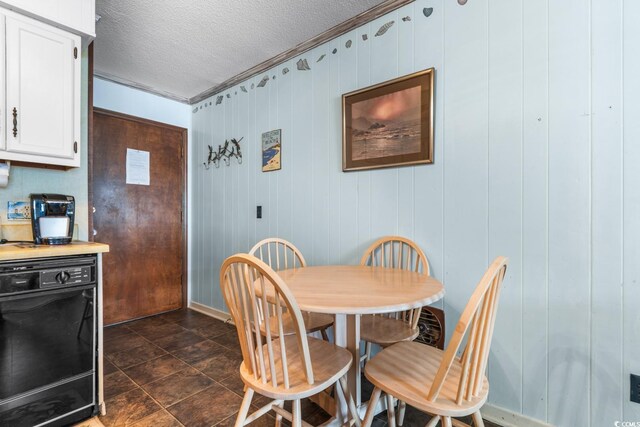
pixel 11 251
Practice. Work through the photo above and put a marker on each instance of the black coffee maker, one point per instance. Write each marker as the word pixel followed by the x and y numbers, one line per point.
pixel 52 217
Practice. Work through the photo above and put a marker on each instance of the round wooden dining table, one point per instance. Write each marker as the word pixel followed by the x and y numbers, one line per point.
pixel 348 292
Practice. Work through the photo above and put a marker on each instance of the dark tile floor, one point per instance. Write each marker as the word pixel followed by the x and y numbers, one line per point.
pixel 181 368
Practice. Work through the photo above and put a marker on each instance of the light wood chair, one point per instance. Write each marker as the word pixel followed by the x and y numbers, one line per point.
pixel 282 367
pixel 384 330
pixel 439 382
pixel 280 254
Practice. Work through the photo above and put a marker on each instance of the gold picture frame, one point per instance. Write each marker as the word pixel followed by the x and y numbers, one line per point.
pixel 389 124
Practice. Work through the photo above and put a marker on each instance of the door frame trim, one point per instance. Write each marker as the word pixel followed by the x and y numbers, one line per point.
pixel 185 175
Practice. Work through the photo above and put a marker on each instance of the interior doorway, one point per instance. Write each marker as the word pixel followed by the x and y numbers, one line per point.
pixel 144 223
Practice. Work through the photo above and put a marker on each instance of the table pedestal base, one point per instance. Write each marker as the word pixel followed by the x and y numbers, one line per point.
pixel 347 335
pixel 337 419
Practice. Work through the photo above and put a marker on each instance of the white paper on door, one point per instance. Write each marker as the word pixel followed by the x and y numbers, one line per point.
pixel 137 167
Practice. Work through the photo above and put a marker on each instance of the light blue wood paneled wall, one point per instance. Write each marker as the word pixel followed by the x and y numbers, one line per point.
pixel 536 154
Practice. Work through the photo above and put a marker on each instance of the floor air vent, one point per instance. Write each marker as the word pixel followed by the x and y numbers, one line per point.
pixel 431 325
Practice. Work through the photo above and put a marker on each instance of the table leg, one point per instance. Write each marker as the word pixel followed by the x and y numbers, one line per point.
pixel 340 338
pixel 347 335
pixel 353 345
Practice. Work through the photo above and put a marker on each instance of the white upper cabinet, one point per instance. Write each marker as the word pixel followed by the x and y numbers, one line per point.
pixel 42 105
pixel 76 15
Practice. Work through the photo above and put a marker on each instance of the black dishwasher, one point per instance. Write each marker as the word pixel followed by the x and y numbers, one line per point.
pixel 48 345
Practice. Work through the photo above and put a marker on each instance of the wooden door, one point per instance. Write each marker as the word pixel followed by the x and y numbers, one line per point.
pixel 143 224
pixel 43 91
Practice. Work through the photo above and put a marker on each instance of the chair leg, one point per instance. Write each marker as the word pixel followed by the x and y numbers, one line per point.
pixel 279 417
pixel 368 351
pixel 477 419
pixel 446 421
pixel 350 403
pixel 297 416
pixel 433 422
pixel 324 334
pixel 371 409
pixel 244 408
pixel 391 411
pixel 402 406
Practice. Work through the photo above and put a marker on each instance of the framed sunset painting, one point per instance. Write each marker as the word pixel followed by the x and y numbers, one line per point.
pixel 389 124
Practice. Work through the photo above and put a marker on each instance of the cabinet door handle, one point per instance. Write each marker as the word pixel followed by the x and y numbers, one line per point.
pixel 15 122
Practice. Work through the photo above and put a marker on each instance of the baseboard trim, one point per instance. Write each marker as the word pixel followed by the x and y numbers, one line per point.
pixel 209 311
pixel 507 418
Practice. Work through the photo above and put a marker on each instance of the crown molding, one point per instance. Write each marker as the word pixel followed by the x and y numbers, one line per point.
pixel 340 29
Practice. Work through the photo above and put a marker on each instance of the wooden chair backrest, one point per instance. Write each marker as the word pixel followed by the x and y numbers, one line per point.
pixel 396 252
pixel 279 254
pixel 247 283
pixel 478 318
pixel 401 253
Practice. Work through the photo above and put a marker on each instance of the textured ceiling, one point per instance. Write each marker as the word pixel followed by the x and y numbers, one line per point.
pixel 184 47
